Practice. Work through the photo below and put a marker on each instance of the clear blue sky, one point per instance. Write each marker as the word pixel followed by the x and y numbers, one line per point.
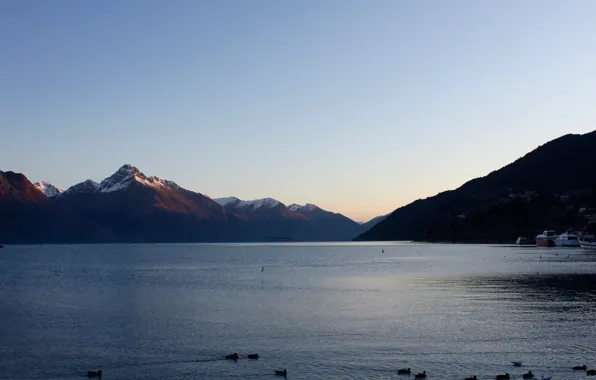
pixel 357 106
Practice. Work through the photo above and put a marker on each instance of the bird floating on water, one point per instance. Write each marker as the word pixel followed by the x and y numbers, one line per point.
pixel 518 363
pixel 283 373
pixel 580 367
pixel 404 371
pixel 528 375
pixel 97 373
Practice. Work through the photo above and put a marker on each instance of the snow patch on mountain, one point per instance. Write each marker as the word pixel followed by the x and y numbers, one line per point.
pixel 258 203
pixel 47 188
pixel 254 204
pixel 226 201
pixel 306 208
pixel 128 174
pixel 120 180
pixel 160 182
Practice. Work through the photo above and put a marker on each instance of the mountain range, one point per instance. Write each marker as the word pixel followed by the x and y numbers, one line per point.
pixel 128 206
pixel 546 189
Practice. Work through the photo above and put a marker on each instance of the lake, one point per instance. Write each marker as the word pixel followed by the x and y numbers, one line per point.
pixel 323 311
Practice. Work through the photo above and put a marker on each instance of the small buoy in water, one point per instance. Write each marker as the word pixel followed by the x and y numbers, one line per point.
pixel 94 373
pixel 382 251
pixel 262 269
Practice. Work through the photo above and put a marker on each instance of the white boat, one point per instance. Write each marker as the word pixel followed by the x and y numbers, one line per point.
pixel 568 239
pixel 589 241
pixel 547 238
pixel 522 240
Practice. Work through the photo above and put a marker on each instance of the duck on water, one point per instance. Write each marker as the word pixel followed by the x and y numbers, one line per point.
pixel 404 371
pixel 233 356
pixel 94 373
pixel 283 373
pixel 528 375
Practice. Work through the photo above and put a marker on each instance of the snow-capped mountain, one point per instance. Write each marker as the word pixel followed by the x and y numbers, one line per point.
pixel 47 188
pixel 121 180
pixel 257 210
pixel 253 205
pixel 309 207
pixel 293 223
pixel 128 174
pixel 131 191
pixel 85 187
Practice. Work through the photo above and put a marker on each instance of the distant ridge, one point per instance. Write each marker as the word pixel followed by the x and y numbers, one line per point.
pixel 278 222
pixel 373 222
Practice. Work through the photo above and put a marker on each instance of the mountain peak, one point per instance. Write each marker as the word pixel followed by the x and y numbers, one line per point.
pixel 87 186
pixel 121 179
pixel 128 174
pixel 47 188
pixel 130 169
pixel 258 203
pixel 254 204
pixel 226 201
pixel 306 208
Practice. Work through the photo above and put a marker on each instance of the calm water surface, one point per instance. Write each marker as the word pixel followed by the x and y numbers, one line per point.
pixel 330 311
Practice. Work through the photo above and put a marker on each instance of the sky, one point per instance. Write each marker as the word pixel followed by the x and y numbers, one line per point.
pixel 358 106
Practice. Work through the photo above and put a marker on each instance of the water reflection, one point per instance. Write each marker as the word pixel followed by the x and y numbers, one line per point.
pixel 580 287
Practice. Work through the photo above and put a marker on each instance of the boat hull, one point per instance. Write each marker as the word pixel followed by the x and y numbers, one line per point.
pixel 567 243
pixel 588 244
pixel 545 243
